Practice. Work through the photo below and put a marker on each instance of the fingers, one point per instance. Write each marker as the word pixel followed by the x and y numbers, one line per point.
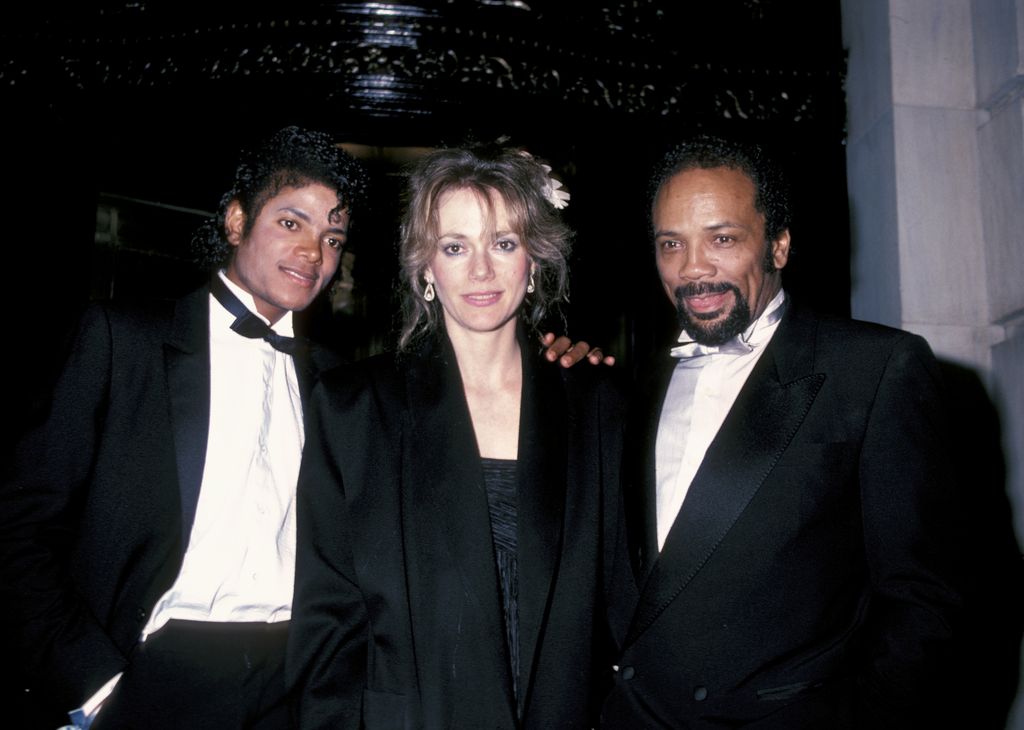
pixel 569 353
pixel 557 346
pixel 574 353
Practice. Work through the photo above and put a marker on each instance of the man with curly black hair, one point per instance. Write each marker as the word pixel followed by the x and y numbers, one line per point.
pixel 147 532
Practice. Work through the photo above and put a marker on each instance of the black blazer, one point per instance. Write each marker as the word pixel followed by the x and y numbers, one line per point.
pixel 808 580
pixel 96 510
pixel 397 617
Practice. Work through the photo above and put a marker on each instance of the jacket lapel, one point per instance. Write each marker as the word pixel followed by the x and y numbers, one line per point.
pixel 640 502
pixel 187 364
pixel 762 422
pixel 441 465
pixel 541 480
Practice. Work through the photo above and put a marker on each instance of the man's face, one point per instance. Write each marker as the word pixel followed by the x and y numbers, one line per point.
pixel 292 250
pixel 711 252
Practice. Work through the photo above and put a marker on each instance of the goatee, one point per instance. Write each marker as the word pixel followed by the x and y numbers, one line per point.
pixel 699 327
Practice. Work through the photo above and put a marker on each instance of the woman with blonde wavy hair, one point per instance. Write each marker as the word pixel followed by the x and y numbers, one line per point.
pixel 459 503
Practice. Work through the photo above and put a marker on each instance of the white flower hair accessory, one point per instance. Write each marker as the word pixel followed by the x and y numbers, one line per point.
pixel 558 198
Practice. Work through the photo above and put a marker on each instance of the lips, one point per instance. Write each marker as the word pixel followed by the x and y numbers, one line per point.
pixel 704 303
pixel 300 277
pixel 482 299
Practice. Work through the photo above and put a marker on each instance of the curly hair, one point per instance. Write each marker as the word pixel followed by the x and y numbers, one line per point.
pixel 771 198
pixel 291 157
pixel 522 183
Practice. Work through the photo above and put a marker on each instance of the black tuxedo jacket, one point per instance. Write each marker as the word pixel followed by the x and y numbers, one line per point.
pixel 96 511
pixel 397 617
pixel 808 579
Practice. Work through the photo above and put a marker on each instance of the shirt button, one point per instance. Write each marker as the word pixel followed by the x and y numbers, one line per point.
pixel 700 693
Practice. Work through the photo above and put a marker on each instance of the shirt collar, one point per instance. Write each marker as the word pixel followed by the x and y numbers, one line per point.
pixel 283 326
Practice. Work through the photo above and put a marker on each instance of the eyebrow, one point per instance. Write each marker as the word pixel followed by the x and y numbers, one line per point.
pixel 298 213
pixel 712 227
pixel 462 236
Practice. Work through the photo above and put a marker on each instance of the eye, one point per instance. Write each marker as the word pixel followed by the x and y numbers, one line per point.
pixel 452 248
pixel 505 244
pixel 336 243
pixel 670 244
pixel 724 240
pixel 289 224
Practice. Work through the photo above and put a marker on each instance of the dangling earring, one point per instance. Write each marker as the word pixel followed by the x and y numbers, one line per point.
pixel 428 292
pixel 530 288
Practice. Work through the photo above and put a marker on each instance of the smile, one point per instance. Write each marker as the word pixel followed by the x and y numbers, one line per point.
pixel 482 299
pixel 301 278
pixel 705 303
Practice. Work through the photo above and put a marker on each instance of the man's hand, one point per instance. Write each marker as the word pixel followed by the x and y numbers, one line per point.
pixel 569 353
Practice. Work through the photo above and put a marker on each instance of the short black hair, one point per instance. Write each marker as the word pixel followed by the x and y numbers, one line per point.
pixel 291 157
pixel 705 152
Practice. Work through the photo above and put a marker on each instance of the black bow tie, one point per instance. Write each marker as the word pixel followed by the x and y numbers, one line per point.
pixel 248 324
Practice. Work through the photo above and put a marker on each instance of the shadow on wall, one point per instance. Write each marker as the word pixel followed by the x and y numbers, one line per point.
pixel 980 687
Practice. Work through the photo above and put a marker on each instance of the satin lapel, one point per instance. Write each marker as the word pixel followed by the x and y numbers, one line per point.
pixel 541 478
pixel 640 498
pixel 187 364
pixel 309 363
pixel 762 422
pixel 441 468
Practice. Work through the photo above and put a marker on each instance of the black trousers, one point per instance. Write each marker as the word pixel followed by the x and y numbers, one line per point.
pixel 197 674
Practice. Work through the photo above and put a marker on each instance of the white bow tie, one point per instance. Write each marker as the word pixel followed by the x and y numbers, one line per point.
pixel 687 350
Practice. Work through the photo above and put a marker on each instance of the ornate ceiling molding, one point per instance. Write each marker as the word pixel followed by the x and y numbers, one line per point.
pixel 411 60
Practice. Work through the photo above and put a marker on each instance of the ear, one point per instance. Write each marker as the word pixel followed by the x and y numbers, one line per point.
pixel 780 250
pixel 234 222
pixel 428 275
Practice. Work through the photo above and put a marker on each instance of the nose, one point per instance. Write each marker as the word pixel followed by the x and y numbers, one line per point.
pixel 696 264
pixel 480 266
pixel 308 247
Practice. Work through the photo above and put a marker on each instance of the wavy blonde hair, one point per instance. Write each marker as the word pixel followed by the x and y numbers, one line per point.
pixel 522 183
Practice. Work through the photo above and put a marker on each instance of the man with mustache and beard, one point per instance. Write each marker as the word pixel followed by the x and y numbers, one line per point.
pixel 792 509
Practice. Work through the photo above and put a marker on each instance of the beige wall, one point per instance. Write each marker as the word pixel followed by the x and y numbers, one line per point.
pixel 935 159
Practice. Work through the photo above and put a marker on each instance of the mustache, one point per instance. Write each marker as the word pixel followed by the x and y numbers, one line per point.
pixel 697 289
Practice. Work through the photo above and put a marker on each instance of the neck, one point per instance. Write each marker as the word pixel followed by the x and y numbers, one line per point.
pixel 272 313
pixel 486 359
pixel 773 283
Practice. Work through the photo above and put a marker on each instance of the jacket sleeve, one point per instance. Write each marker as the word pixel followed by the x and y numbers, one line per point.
pixel 64 648
pixel 326 662
pixel 911 535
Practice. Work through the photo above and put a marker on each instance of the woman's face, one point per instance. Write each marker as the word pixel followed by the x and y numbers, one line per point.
pixel 480 268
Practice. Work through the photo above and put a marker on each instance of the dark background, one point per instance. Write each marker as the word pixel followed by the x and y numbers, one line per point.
pixel 127 119
pixel 122 124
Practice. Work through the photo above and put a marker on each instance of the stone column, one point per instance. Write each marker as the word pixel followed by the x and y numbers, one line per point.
pixel 935 168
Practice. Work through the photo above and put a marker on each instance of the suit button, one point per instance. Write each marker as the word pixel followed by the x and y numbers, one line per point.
pixel 141 614
pixel 700 693
pixel 628 672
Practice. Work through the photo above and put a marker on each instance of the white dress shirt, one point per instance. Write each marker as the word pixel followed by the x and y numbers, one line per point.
pixel 240 561
pixel 704 385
